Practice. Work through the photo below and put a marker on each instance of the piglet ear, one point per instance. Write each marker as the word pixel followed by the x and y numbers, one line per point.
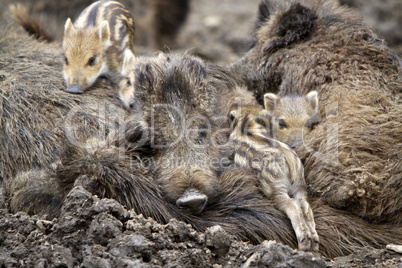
pixel 270 100
pixel 128 58
pixel 68 26
pixel 284 29
pixel 104 33
pixel 312 99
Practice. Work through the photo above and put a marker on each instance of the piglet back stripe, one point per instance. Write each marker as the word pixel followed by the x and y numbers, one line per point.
pixel 117 17
pixel 92 15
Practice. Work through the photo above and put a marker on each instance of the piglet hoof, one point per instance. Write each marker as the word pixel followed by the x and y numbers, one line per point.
pixel 309 242
pixel 315 243
pixel 304 243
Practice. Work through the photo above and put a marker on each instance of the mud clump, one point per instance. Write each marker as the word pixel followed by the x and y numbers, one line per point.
pixel 272 254
pixel 369 257
pixel 217 240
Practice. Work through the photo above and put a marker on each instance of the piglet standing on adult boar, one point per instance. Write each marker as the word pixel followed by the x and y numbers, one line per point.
pixel 94 45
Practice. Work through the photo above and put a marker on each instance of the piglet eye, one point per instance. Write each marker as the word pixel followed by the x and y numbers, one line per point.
pixel 91 61
pixel 65 60
pixel 281 124
pixel 261 121
pixel 313 125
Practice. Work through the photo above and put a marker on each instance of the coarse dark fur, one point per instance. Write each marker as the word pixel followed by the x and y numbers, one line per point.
pixel 41 169
pixel 353 158
pixel 31 24
pixel 183 120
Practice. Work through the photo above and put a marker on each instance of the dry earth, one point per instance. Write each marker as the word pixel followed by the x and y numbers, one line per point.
pixel 101 233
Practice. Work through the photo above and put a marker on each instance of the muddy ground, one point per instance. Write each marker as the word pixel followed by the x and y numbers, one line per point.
pixel 100 233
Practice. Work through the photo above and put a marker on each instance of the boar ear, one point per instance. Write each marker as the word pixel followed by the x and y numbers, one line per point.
pixel 128 58
pixel 293 25
pixel 68 26
pixel 312 99
pixel 104 33
pixel 265 9
pixel 270 100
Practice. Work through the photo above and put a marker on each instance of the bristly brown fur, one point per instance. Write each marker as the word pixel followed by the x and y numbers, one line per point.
pixel 353 158
pixel 179 98
pixel 31 24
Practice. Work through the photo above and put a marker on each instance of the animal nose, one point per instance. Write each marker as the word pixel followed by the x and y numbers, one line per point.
pixel 193 200
pixel 295 143
pixel 75 89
